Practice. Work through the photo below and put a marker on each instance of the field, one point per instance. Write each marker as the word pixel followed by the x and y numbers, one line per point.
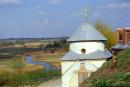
pixel 14 72
pixel 10 64
pixel 7 64
pixel 24 74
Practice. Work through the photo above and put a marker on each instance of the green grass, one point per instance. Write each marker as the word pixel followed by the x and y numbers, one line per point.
pixel 13 76
pixel 119 76
pixel 30 79
pixel 17 77
pixel 49 57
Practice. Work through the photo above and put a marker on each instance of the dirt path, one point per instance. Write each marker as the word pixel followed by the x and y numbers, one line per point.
pixel 51 83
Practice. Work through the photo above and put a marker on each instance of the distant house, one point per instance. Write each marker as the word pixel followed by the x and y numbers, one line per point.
pixel 123 40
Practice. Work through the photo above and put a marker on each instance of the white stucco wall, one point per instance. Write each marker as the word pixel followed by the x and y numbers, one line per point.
pixel 68 68
pixel 89 46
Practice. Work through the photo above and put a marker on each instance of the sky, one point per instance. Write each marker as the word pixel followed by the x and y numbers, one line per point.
pixel 56 18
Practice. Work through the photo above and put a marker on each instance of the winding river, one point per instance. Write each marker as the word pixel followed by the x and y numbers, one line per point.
pixel 46 65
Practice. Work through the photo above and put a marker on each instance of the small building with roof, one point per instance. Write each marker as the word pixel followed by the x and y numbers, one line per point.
pixel 123 40
pixel 87 54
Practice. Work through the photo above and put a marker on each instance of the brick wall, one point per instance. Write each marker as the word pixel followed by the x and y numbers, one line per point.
pixel 129 37
pixel 123 36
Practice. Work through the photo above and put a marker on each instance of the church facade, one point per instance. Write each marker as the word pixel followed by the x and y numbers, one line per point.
pixel 87 54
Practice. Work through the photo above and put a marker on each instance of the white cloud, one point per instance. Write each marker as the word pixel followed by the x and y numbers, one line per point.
pixel 119 5
pixel 54 2
pixel 115 5
pixel 8 2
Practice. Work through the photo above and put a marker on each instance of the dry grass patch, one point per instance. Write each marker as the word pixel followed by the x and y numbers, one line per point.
pixel 55 63
pixel 48 57
pixel 30 68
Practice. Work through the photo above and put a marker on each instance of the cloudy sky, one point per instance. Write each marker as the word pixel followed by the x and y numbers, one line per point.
pixel 54 18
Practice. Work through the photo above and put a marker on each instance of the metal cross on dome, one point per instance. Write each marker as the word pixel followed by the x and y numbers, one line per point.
pixel 85 11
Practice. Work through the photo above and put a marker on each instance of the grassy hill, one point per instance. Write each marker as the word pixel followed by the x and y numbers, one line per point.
pixel 108 76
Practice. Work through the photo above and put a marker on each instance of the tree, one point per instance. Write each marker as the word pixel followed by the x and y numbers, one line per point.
pixel 107 32
pixel 64 44
pixel 5 44
pixel 19 42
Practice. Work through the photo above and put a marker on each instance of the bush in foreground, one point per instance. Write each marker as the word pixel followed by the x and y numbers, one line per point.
pixel 30 79
pixel 118 77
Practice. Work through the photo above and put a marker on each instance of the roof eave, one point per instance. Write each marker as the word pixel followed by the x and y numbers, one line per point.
pixel 85 59
pixel 86 40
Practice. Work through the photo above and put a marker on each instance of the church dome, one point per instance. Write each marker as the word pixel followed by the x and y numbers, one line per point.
pixel 86 32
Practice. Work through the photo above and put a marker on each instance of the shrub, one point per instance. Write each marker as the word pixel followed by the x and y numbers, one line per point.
pixel 29 79
pixel 4 77
pixel 119 77
pixel 99 83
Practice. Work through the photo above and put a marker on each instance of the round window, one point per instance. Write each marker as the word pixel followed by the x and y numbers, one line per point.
pixel 83 51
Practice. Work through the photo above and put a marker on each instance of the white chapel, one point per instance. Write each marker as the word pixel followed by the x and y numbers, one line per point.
pixel 87 54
